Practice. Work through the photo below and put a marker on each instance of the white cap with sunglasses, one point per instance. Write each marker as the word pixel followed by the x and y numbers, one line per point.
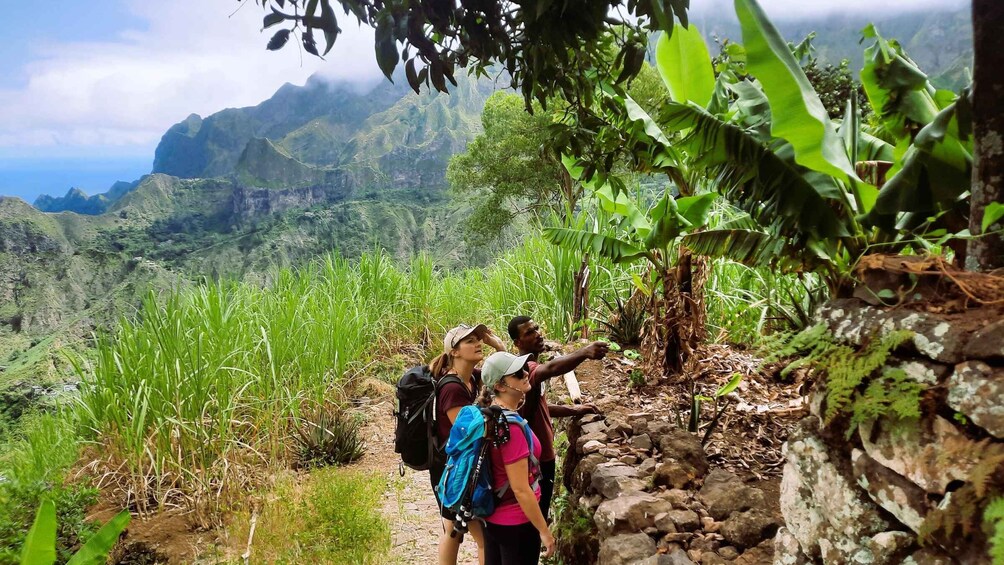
pixel 500 364
pixel 457 334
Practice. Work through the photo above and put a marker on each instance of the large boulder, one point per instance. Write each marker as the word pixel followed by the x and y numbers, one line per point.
pixel 613 479
pixel 853 322
pixel 904 500
pixel 686 449
pixel 916 450
pixel 582 475
pixel 823 508
pixel 749 528
pixel 787 550
pixel 629 513
pixel 626 549
pixel 987 343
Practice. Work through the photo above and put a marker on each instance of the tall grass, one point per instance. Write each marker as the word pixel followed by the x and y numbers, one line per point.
pixel 198 398
pixel 34 460
pixel 744 303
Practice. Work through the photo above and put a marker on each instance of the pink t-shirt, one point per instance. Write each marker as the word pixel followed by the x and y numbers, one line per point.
pixel 507 511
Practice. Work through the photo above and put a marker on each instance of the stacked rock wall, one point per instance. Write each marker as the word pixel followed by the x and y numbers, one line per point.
pixel 640 492
pixel 862 495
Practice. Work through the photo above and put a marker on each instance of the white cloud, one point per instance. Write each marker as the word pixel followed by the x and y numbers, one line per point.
pixel 194 56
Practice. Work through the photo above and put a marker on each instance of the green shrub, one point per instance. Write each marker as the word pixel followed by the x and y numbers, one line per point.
pixel 34 463
pixel 332 517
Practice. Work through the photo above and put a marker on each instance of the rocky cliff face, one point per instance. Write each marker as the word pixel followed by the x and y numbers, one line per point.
pixel 212 146
pixel 873 493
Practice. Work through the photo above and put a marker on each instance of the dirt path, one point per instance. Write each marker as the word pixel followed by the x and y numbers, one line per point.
pixel 408 504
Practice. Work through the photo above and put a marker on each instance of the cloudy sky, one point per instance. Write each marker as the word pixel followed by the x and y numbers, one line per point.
pixel 84 83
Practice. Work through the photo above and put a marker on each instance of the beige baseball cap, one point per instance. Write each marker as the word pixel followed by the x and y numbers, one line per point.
pixel 457 334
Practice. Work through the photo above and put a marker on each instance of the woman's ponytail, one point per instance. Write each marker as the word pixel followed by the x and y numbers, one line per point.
pixel 440 365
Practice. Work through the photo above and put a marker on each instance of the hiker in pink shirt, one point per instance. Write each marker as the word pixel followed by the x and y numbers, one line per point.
pixel 516 530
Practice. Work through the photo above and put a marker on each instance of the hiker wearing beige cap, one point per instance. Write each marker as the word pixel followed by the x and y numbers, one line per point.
pixel 515 531
pixel 458 384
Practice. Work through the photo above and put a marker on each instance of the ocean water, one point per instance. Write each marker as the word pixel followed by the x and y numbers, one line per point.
pixel 29 177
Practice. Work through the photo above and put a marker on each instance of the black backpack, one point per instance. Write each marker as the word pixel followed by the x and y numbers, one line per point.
pixel 415 433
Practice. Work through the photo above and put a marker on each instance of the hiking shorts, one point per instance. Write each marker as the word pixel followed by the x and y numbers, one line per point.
pixel 436 473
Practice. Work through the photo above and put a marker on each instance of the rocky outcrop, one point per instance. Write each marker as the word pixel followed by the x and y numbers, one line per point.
pixel 869 499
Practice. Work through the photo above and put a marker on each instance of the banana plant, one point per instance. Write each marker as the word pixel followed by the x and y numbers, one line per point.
pixel 650 235
pixel 767 144
pixel 40 543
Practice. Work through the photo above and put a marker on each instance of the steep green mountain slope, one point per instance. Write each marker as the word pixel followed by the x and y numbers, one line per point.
pixel 342 180
pixel 210 147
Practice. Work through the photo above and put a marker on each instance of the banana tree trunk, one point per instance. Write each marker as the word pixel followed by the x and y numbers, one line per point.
pixel 678 324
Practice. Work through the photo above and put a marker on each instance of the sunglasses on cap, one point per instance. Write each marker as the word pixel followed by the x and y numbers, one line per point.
pixel 462 327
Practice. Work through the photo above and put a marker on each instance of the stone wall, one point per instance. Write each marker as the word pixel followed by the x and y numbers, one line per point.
pixel 861 495
pixel 641 491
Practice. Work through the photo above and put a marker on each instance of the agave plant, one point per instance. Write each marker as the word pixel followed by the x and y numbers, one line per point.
pixel 328 436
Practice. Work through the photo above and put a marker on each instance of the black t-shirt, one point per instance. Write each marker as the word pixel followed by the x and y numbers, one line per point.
pixel 452 395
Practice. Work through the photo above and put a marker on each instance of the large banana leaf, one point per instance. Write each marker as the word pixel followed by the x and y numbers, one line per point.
pixel 695 209
pixel 743 246
pixel 95 551
pixel 898 91
pixel 761 181
pixel 798 116
pixel 622 206
pixel 616 250
pixel 685 65
pixel 40 544
pixel 669 223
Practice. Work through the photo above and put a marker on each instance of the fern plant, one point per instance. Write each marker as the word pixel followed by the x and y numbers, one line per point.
pixel 993 519
pixel 857 381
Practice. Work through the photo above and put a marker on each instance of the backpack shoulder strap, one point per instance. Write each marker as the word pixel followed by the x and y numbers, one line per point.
pixel 446 379
pixel 515 418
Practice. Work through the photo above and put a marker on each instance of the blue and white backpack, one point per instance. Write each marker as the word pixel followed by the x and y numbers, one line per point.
pixel 466 485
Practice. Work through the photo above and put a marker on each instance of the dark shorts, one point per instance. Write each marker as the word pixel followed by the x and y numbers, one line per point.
pixel 436 473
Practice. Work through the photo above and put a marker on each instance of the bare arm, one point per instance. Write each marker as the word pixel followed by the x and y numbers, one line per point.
pixel 517 473
pixel 452 413
pixel 562 365
pixel 562 410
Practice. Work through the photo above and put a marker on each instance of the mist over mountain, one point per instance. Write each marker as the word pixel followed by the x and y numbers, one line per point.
pixel 939 39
